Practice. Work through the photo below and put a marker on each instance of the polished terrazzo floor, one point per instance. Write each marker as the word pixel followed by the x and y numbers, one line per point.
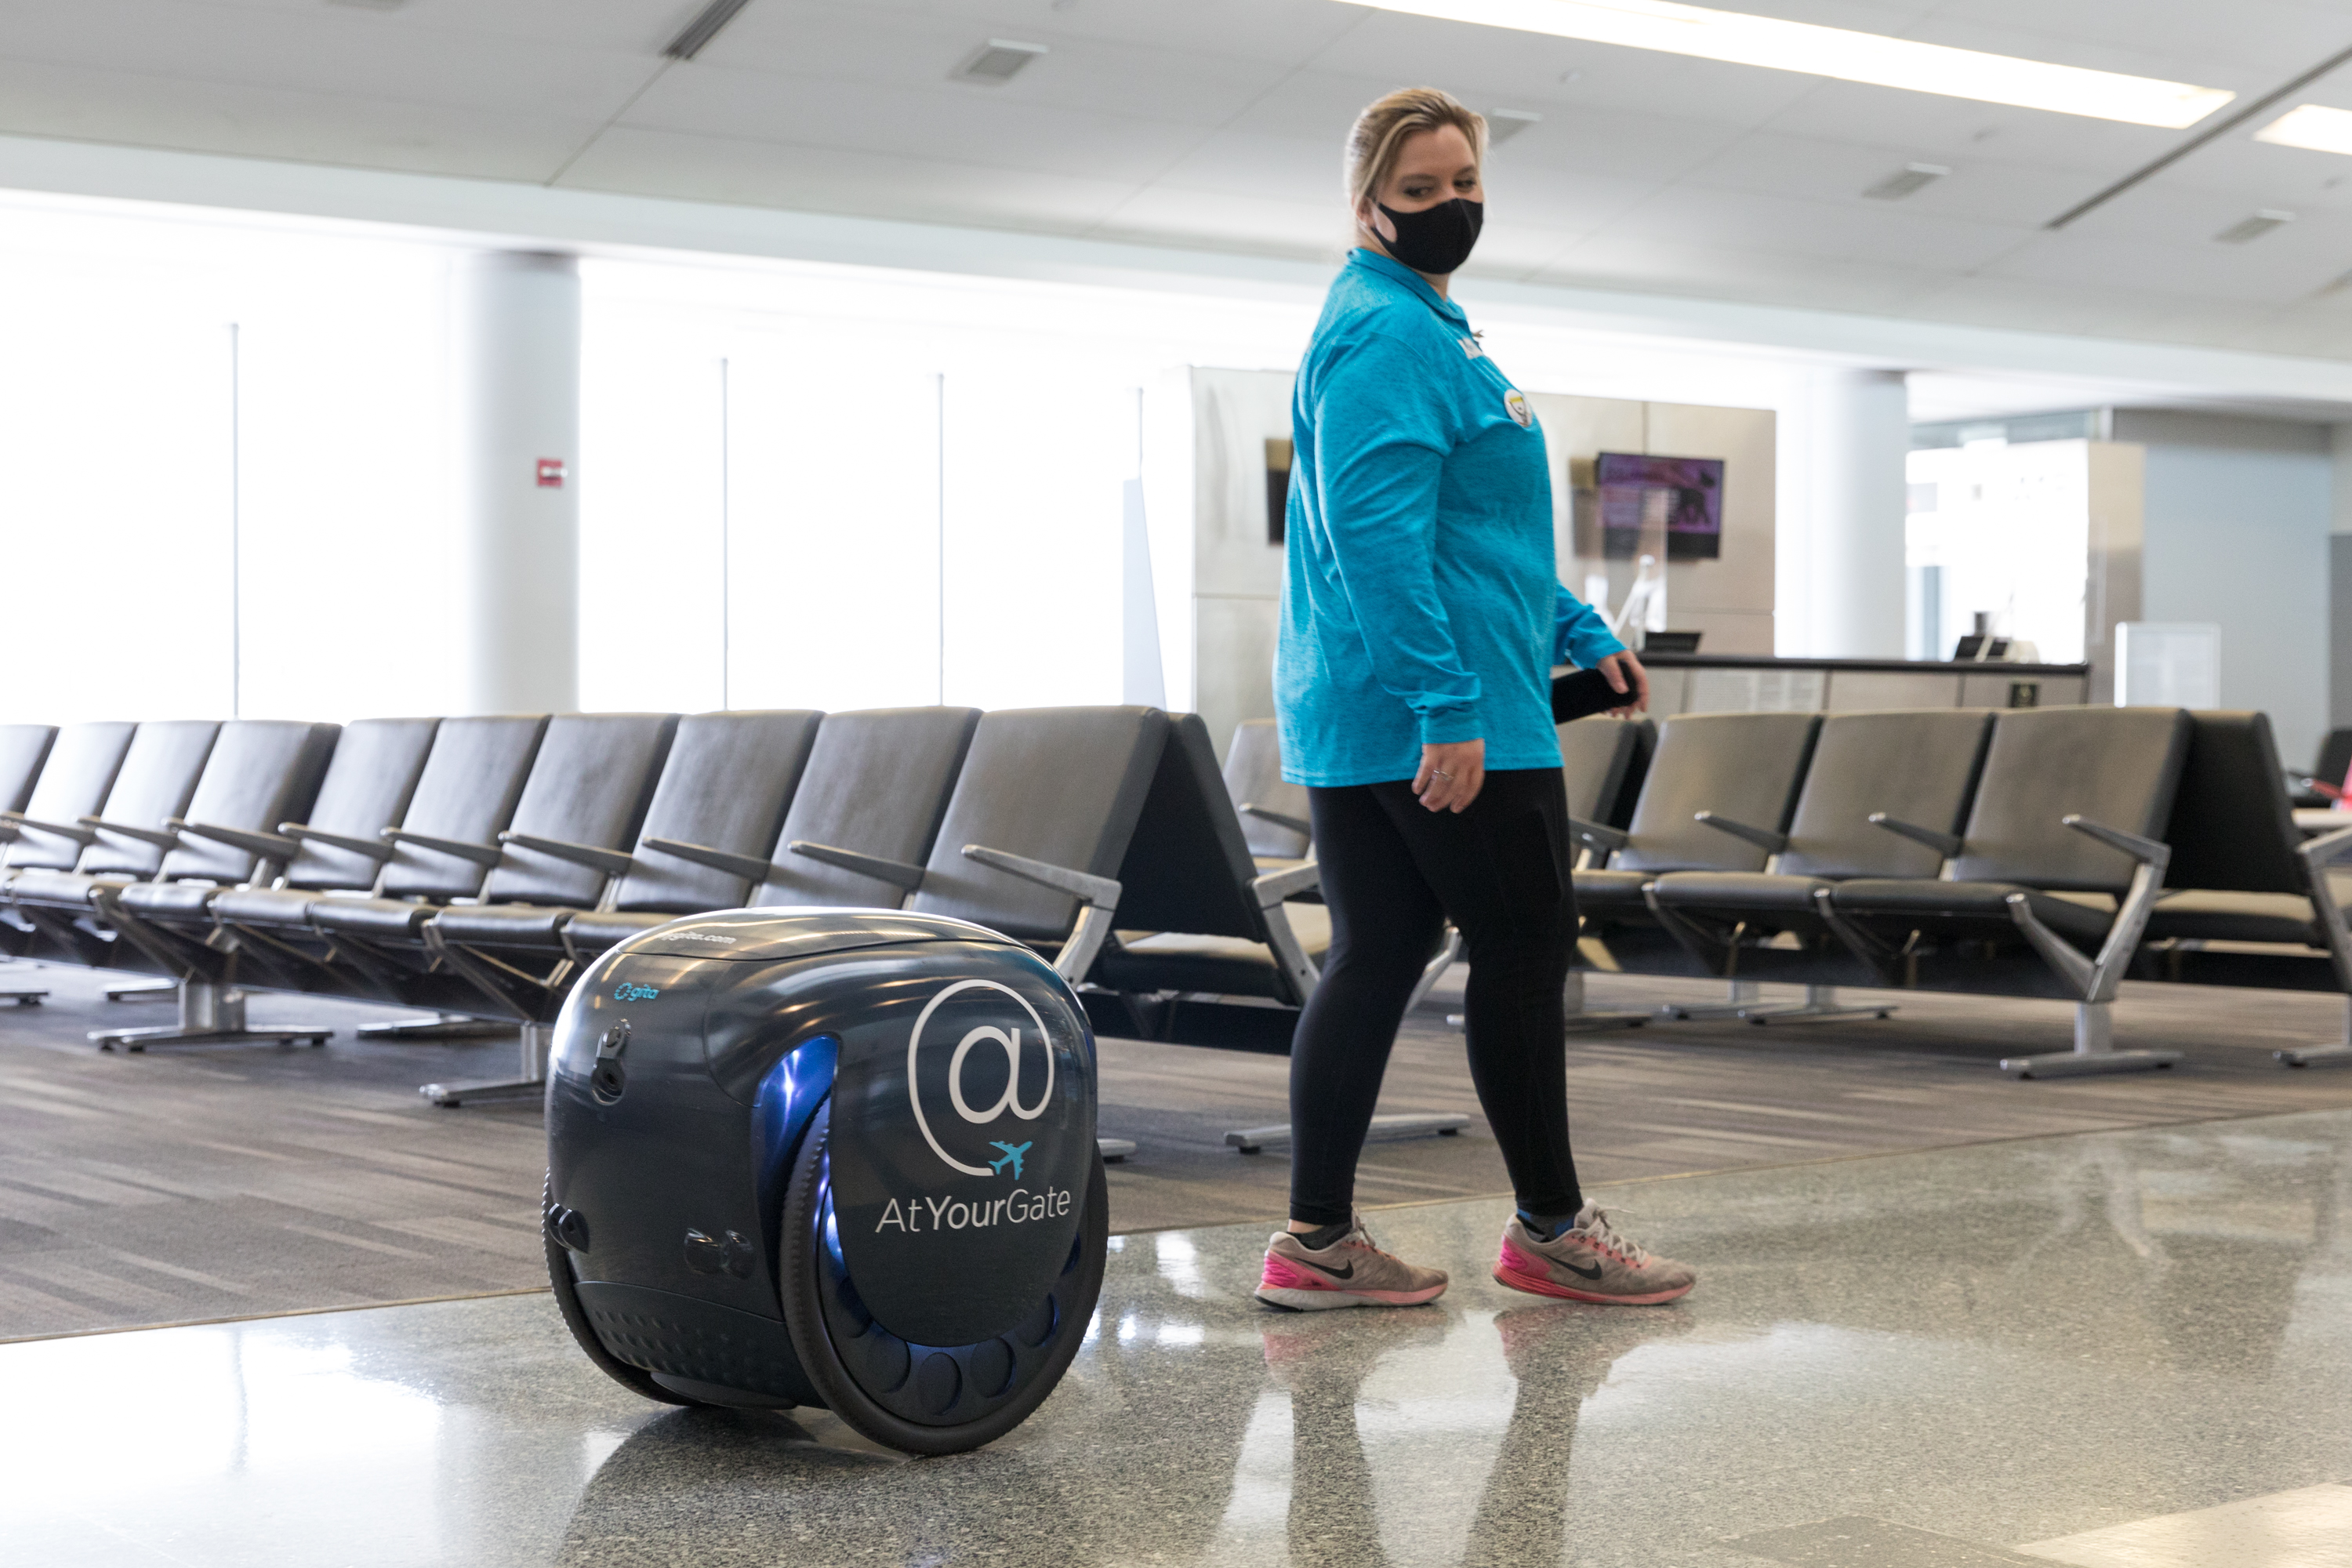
pixel 2114 1350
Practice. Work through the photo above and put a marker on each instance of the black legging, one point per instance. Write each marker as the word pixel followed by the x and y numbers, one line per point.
pixel 1393 873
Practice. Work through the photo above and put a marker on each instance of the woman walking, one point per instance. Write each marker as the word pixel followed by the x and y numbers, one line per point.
pixel 1421 617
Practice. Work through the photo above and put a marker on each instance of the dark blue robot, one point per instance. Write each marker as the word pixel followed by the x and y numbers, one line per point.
pixel 841 1157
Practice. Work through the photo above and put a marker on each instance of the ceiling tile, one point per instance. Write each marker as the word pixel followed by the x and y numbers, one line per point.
pixel 652 163
pixel 262 122
pixel 977 126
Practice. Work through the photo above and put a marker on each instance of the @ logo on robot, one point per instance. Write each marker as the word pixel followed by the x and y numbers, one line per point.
pixel 985 1035
pixel 1021 1203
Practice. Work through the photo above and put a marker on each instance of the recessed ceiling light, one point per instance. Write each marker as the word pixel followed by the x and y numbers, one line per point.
pixel 1872 58
pixel 998 60
pixel 1905 181
pixel 2309 125
pixel 1502 124
pixel 2254 228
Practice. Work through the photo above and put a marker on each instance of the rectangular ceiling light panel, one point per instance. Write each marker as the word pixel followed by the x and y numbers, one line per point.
pixel 998 60
pixel 1872 58
pixel 2310 125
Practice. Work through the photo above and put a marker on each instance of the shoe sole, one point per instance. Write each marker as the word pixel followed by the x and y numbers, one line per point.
pixel 1536 1285
pixel 1325 1300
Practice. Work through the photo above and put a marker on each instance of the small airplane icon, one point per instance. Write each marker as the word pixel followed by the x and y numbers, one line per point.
pixel 1012 1153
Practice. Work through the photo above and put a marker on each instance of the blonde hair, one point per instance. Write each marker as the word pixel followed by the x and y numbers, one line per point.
pixel 1380 133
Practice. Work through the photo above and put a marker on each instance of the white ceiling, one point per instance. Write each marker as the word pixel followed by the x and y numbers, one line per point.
pixel 1216 124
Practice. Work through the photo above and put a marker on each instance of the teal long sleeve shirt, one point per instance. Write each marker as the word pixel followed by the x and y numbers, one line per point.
pixel 1420 604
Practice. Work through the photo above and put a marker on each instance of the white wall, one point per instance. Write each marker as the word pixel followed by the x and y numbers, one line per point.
pixel 2238 514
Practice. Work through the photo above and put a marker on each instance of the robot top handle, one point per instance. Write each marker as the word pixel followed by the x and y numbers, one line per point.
pixel 843 1157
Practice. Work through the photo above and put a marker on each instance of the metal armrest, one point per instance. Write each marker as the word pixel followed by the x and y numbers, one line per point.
pixel 1303 828
pixel 303 833
pixel 1602 838
pixel 1101 891
pixel 265 845
pixel 612 862
pixel 1274 887
pixel 750 868
pixel 160 838
pixel 74 831
pixel 1764 838
pixel 479 854
pixel 2147 851
pixel 2317 853
pixel 1098 896
pixel 898 873
pixel 1947 845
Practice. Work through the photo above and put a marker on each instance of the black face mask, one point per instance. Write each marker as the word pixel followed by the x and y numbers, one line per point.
pixel 1436 239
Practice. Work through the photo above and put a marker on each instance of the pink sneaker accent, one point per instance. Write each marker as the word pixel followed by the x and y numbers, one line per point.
pixel 1350 1272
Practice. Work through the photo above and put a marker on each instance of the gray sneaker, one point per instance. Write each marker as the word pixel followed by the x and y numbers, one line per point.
pixel 1590 1262
pixel 1350 1272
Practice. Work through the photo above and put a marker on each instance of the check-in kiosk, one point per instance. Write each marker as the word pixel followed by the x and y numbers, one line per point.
pixel 841 1157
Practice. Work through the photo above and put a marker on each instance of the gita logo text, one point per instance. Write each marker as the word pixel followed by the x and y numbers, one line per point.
pixel 625 991
pixel 1017 1207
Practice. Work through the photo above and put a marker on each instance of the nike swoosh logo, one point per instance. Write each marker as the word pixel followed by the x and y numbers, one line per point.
pixel 1347 1273
pixel 1592 1273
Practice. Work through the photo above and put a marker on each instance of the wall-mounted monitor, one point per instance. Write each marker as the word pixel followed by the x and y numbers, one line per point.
pixel 1682 495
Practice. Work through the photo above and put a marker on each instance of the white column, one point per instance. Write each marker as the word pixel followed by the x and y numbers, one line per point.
pixel 517 367
pixel 1857 434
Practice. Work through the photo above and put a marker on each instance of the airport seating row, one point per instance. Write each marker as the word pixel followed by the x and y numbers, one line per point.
pixel 2046 852
pixel 475 867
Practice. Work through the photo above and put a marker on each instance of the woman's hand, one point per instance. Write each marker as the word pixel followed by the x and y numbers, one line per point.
pixel 1626 674
pixel 1450 774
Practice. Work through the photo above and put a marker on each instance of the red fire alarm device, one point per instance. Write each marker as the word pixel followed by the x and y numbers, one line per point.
pixel 550 473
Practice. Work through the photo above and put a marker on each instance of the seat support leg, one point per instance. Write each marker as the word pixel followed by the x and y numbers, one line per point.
pixel 532 1084
pixel 2334 1055
pixel 211 1014
pixel 1820 1001
pixel 1740 1000
pixel 2094 1050
pixel 144 991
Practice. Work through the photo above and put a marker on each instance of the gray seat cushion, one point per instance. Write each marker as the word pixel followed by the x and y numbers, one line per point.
pixel 391 919
pixel 264 906
pixel 503 925
pixel 1736 892
pixel 594 930
pixel 1219 965
pixel 2195 914
pixel 170 901
pixel 1964 908
pixel 1608 892
pixel 58 889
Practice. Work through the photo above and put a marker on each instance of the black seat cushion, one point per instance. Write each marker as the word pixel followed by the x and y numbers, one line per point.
pixel 264 906
pixel 170 902
pixel 594 930
pixel 1218 965
pixel 58 889
pixel 1964 908
pixel 503 925
pixel 389 920
pixel 1736 892
pixel 1599 892
pixel 2199 914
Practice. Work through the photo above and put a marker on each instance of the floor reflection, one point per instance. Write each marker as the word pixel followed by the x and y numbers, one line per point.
pixel 2004 1344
